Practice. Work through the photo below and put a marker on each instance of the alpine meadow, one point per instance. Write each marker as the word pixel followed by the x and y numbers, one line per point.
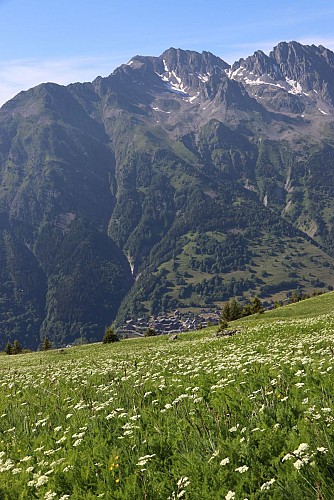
pixel 243 416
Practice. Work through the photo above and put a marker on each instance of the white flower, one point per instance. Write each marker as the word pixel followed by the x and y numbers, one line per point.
pixel 322 449
pixel 301 449
pixel 234 429
pixel 77 442
pixel 225 461
pixel 230 495
pixel 61 440
pixel 242 469
pixel 49 494
pixel 298 464
pixel 41 480
pixel 183 482
pixel 267 485
pixel 143 460
pixel 67 468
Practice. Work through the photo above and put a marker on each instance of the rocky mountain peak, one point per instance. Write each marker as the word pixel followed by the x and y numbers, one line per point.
pixel 293 77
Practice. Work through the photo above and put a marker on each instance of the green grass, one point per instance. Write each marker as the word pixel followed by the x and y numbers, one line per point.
pixel 248 416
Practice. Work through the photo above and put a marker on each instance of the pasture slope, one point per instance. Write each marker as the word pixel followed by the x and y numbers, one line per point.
pixel 248 416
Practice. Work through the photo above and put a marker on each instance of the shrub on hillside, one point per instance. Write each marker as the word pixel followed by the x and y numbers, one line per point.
pixel 109 336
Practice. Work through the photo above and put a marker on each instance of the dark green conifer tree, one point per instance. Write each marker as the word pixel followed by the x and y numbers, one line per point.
pixel 257 306
pixel 46 344
pixel 109 336
pixel 16 348
pixel 8 348
pixel 150 332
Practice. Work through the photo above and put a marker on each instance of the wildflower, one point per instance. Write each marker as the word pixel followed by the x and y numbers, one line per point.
pixel 77 442
pixel 183 482
pixel 322 449
pixel 41 481
pixel 301 449
pixel 242 469
pixel 230 495
pixel 61 440
pixel 214 455
pixel 267 485
pixel 234 429
pixel 298 464
pixel 49 494
pixel 67 468
pixel 143 460
pixel 225 461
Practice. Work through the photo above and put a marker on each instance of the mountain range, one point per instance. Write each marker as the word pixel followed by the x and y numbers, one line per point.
pixel 178 181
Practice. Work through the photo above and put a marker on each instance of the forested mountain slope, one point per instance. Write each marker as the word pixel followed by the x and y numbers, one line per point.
pixel 177 181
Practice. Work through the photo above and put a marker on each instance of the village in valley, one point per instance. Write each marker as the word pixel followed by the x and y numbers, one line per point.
pixel 169 324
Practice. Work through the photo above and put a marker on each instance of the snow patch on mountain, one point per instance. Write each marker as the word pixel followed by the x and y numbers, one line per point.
pixel 296 88
pixel 173 82
pixel 246 77
pixel 192 98
pixel 203 78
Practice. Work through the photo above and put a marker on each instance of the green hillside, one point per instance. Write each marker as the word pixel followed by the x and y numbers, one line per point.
pixel 245 416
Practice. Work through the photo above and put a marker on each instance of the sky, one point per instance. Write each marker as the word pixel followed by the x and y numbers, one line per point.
pixel 67 41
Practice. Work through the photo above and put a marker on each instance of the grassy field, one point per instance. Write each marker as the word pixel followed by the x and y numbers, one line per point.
pixel 245 417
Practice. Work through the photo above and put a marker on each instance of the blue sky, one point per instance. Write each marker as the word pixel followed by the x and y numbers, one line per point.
pixel 70 40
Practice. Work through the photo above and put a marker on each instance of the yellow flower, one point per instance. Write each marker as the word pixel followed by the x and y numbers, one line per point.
pixel 117 480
